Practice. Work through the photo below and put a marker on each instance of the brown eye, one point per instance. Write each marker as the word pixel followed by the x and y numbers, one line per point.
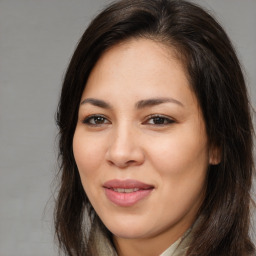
pixel 95 120
pixel 98 120
pixel 159 120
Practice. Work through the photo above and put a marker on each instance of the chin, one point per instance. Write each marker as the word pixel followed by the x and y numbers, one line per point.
pixel 127 230
pixel 129 234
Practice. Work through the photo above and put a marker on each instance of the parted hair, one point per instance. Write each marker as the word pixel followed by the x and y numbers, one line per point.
pixel 217 80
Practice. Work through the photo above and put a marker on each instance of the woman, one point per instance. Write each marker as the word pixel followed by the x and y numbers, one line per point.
pixel 155 137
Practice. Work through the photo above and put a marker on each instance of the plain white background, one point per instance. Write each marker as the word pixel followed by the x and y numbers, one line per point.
pixel 37 39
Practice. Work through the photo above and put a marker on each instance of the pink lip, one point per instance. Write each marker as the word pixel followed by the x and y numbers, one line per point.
pixel 124 198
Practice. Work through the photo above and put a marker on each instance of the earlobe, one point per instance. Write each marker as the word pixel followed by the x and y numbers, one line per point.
pixel 215 155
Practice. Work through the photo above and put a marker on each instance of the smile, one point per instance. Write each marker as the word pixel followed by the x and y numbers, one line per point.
pixel 127 192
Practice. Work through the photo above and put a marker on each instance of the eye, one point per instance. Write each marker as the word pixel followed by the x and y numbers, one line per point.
pixel 95 120
pixel 159 120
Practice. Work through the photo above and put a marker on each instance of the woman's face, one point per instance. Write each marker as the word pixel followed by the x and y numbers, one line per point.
pixel 140 143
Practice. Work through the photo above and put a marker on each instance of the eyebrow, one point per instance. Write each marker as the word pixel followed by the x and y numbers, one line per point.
pixel 156 101
pixel 97 103
pixel 139 105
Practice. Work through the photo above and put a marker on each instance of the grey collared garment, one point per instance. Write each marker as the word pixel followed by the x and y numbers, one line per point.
pixel 178 248
pixel 101 243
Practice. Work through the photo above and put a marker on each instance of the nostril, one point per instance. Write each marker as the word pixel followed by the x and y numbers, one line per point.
pixel 123 153
pixel 131 162
pixel 122 164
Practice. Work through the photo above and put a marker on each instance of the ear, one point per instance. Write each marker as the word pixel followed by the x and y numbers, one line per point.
pixel 214 155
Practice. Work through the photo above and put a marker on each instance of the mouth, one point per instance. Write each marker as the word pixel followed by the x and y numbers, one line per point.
pixel 126 192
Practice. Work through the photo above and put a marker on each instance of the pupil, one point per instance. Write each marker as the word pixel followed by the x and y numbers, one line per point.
pixel 159 120
pixel 98 120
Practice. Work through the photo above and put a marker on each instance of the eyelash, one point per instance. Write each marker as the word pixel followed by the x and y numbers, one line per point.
pixel 166 120
pixel 160 120
pixel 88 120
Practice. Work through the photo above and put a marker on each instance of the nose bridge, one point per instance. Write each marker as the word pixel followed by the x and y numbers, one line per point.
pixel 121 134
pixel 124 148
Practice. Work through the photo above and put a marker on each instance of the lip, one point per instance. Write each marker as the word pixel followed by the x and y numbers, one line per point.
pixel 126 198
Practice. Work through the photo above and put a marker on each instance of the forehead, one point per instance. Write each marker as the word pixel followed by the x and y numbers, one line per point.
pixel 137 64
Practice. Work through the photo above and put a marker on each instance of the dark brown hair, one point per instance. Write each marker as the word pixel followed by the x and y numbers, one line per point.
pixel 217 80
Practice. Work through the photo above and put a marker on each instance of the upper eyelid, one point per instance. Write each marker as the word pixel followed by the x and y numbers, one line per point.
pixel 167 122
pixel 145 119
pixel 159 115
pixel 84 119
pixel 93 115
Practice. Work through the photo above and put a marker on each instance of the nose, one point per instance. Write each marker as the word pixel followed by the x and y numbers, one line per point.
pixel 125 148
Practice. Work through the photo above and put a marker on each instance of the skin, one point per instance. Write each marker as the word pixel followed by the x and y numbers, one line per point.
pixel 126 142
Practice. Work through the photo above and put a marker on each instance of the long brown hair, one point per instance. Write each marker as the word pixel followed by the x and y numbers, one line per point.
pixel 217 80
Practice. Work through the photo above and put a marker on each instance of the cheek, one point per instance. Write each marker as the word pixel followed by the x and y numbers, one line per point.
pixel 181 163
pixel 175 155
pixel 87 150
pixel 88 153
